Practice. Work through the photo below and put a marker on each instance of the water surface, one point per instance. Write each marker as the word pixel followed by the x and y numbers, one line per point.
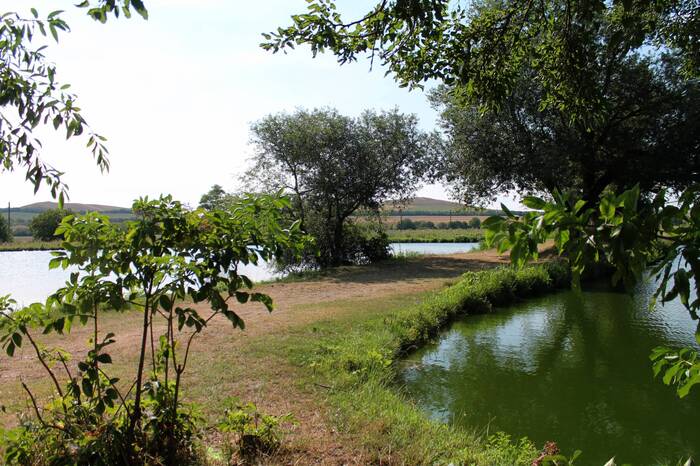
pixel 26 274
pixel 433 248
pixel 573 368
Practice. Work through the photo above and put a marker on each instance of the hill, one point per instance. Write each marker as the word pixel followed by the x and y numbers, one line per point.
pixel 39 207
pixel 429 206
pixel 21 216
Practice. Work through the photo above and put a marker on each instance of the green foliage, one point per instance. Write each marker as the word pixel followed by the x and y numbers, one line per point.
pixel 44 225
pixel 101 9
pixel 216 198
pixel 409 224
pixel 253 433
pixel 630 233
pixel 481 47
pixel 169 257
pixel 435 236
pixel 646 134
pixel 31 97
pixel 333 166
pixel 5 231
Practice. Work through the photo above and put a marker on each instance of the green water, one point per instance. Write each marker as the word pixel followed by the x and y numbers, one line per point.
pixel 567 367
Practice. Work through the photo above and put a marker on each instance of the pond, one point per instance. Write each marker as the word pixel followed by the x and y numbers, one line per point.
pixel 26 275
pixel 572 368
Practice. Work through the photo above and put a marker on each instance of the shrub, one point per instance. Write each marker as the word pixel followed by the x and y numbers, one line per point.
pixel 169 256
pixel 363 243
pixel 44 225
pixel 5 232
pixel 250 432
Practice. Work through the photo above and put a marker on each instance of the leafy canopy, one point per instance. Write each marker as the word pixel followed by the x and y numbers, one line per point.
pixel 647 134
pixel 482 46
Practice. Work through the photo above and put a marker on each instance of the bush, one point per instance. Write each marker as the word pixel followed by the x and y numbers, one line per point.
pixel 475 223
pixel 363 243
pixel 5 232
pixel 406 224
pixel 169 256
pixel 250 432
pixel 44 225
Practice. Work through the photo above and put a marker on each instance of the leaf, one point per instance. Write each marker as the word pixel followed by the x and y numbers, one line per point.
pixel 104 358
pixel 534 202
pixel 165 302
pixel 86 385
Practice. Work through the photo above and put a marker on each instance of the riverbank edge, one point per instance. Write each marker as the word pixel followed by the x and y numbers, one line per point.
pixel 359 367
pixel 20 246
pixel 459 239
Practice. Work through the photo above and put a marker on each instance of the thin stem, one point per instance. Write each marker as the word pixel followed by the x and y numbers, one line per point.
pixel 36 409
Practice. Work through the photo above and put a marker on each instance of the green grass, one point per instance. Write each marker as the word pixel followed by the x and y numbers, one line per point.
pixel 355 359
pixel 436 236
pixel 20 244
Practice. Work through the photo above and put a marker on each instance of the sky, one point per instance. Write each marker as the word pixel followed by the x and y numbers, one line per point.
pixel 175 96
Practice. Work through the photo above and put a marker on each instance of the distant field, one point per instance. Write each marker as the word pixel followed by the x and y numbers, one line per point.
pixel 426 204
pixel 436 236
pixel 394 219
pixel 28 244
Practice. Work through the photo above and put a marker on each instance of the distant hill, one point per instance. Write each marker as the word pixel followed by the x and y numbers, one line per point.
pixel 428 206
pixel 39 207
pixel 21 216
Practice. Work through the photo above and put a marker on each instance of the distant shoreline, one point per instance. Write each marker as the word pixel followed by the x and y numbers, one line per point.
pixel 19 246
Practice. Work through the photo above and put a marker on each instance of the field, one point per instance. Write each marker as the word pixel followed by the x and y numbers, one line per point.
pixel 394 219
pixel 436 236
pixel 27 243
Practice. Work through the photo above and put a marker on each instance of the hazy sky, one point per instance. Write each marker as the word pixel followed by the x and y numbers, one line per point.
pixel 175 95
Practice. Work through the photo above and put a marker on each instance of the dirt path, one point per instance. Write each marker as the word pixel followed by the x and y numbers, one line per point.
pixel 219 352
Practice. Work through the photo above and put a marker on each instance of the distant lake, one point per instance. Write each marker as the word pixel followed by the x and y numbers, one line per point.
pixel 26 275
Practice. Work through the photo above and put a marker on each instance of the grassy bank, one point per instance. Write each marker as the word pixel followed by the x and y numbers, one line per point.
pixel 436 236
pixel 30 245
pixel 355 360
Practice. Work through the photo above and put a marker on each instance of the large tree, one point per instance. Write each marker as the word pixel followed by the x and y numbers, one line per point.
pixel 334 165
pixel 44 225
pixel 482 46
pixel 648 134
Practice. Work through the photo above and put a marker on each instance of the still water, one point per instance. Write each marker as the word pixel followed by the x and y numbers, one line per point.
pixel 568 367
pixel 26 274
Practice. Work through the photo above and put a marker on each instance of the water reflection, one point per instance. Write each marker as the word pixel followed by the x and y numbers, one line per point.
pixel 567 367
